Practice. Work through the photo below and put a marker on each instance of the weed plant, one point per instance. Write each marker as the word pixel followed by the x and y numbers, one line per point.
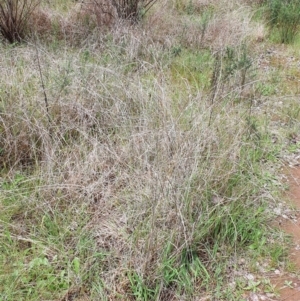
pixel 284 17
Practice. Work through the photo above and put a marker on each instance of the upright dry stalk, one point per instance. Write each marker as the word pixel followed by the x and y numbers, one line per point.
pixel 130 9
pixel 42 83
pixel 14 17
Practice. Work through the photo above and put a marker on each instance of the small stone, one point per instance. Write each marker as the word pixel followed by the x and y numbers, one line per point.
pixel 277 272
pixel 242 261
pixel 277 211
pixel 232 285
pixel 250 277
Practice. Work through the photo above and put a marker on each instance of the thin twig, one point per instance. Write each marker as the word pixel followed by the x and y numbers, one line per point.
pixel 42 82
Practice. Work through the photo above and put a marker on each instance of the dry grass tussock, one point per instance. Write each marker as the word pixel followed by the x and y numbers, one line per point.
pixel 127 171
pixel 212 28
pixel 229 29
pixel 118 150
pixel 42 22
pixel 94 13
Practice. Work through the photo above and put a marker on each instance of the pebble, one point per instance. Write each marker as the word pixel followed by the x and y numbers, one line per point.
pixel 250 277
pixel 242 261
pixel 277 272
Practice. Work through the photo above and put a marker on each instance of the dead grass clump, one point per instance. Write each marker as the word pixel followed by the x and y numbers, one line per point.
pixel 21 140
pixel 161 27
pixel 144 186
pixel 212 29
pixel 93 14
pixel 68 117
pixel 50 25
pixel 42 23
pixel 83 20
pixel 217 25
pixel 75 26
pixel 229 29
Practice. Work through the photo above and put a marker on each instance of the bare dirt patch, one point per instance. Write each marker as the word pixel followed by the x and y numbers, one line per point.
pixel 288 284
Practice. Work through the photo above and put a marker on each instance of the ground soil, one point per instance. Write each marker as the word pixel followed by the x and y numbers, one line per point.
pixel 291 225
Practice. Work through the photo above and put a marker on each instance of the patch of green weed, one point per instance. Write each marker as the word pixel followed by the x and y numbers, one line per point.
pixel 284 18
pixel 191 68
